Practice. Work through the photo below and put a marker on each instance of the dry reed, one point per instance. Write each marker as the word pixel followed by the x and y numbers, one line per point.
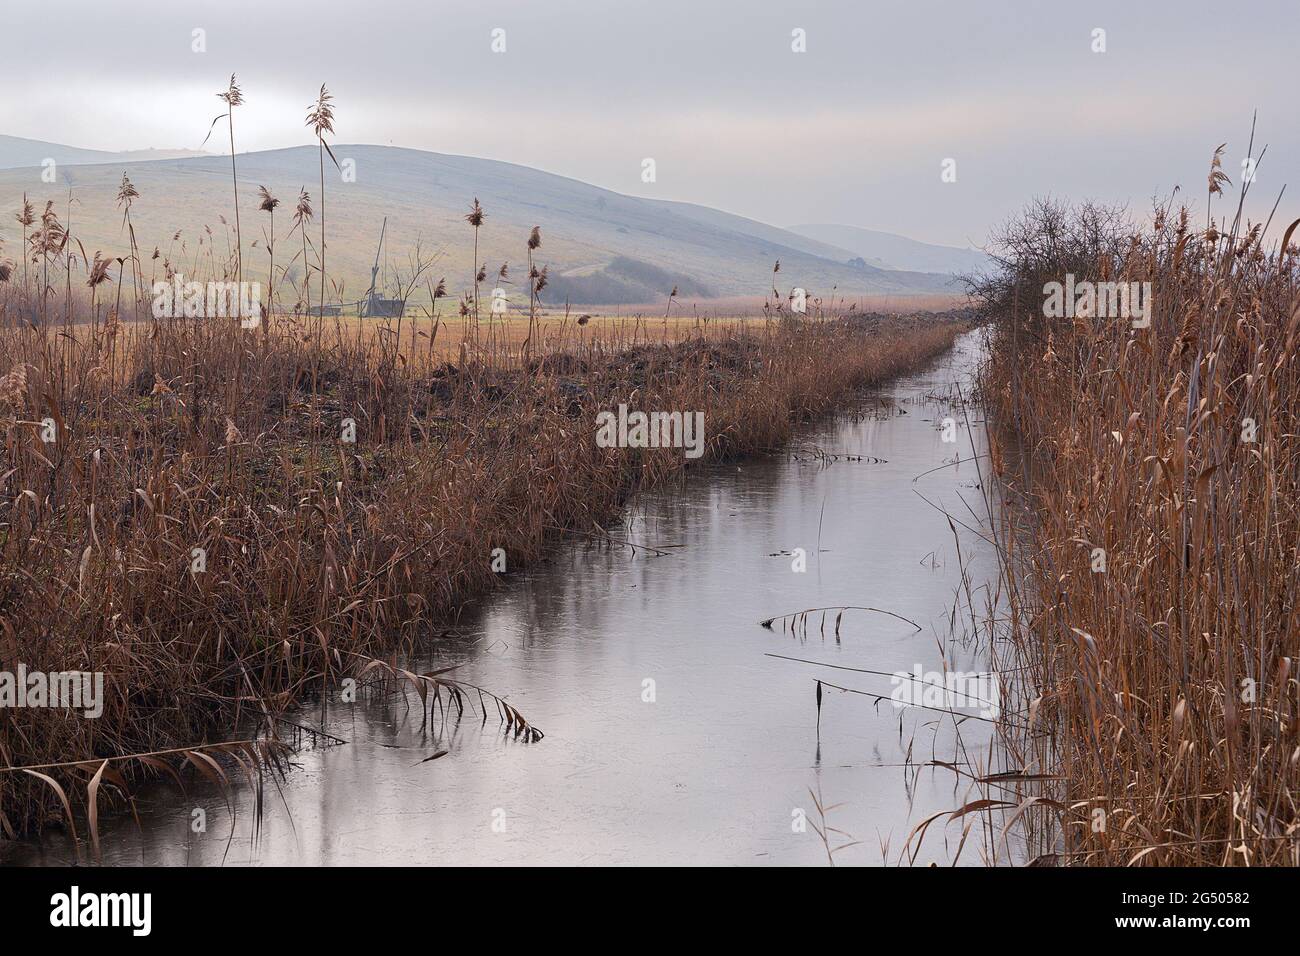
pixel 321 557
pixel 1152 477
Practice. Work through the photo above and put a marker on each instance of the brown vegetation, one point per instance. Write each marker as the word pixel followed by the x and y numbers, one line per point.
pixel 320 554
pixel 223 517
pixel 1153 476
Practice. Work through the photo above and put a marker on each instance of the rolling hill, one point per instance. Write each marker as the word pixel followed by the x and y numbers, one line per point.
pixel 602 247
pixel 19 153
pixel 887 250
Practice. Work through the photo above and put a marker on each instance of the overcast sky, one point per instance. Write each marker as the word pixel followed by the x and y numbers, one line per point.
pixel 855 130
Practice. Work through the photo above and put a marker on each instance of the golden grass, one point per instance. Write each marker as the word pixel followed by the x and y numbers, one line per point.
pixel 556 330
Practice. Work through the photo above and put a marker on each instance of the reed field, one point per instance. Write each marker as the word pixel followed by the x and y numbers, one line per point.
pixel 423 333
pixel 228 521
pixel 1152 481
pixel 226 514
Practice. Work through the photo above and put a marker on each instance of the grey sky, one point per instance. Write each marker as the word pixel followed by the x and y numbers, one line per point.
pixel 853 131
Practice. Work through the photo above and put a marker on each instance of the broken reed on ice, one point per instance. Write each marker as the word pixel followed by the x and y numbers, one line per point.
pixel 1152 473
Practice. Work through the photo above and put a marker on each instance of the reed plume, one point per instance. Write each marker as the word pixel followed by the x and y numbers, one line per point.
pixel 475 218
pixel 320 120
pixel 268 204
pixel 232 96
pixel 25 216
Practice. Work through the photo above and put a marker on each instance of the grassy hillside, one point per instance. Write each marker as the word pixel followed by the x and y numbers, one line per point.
pixel 601 246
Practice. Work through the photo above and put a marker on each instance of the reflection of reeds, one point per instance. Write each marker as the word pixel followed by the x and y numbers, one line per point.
pixel 254 759
pixel 459 695
pixel 1153 475
pixel 825 832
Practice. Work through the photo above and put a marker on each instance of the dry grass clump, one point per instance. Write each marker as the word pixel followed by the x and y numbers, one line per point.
pixel 322 556
pixel 1162 690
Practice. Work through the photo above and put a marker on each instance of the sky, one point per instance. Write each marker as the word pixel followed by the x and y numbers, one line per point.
pixel 855 129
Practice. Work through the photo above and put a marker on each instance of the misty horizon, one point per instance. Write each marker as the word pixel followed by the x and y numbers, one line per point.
pixel 172 153
pixel 855 129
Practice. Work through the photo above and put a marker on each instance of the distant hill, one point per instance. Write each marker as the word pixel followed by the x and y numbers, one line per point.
pixel 602 247
pixel 19 153
pixel 896 252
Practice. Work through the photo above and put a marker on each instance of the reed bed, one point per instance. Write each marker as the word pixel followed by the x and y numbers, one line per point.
pixel 1152 479
pixel 557 330
pixel 344 495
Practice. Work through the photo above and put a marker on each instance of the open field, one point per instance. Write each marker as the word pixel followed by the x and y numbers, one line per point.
pixel 553 332
pixel 756 306
pixel 423 332
pixel 558 330
pixel 418 337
